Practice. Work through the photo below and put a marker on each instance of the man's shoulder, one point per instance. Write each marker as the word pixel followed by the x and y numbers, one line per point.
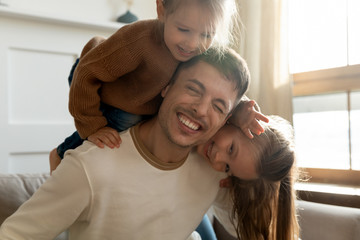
pixel 98 161
pixel 88 149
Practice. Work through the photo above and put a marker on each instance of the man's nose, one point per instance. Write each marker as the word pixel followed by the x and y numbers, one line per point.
pixel 201 107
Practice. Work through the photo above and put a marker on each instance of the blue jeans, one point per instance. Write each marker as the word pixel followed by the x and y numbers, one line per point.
pixel 206 230
pixel 116 118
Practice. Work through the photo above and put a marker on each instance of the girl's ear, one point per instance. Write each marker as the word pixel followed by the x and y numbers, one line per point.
pixel 160 10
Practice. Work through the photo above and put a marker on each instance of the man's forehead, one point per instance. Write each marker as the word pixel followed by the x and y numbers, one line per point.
pixel 208 77
pixel 200 68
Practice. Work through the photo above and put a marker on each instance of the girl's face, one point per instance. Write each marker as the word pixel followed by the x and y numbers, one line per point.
pixel 230 150
pixel 186 31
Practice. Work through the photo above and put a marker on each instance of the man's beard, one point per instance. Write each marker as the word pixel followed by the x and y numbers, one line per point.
pixel 172 140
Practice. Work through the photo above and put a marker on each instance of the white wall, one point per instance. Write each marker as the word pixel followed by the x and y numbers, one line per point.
pixel 93 10
pixel 40 39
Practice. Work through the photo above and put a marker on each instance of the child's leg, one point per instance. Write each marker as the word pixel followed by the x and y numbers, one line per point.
pixel 54 160
pixel 57 154
pixel 70 142
pixel 71 74
pixel 119 119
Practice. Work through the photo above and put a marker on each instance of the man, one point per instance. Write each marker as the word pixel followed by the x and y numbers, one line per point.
pixel 147 188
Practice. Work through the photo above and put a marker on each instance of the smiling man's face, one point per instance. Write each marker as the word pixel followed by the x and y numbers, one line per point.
pixel 196 105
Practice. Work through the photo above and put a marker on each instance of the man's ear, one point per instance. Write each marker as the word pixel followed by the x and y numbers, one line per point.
pixel 165 90
pixel 160 10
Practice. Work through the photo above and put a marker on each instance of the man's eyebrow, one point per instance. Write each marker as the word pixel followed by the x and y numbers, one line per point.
pixel 202 87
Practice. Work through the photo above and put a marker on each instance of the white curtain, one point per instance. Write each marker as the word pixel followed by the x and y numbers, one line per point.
pixel 263 44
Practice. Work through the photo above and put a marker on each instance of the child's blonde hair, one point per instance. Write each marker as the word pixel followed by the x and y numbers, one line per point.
pixel 224 15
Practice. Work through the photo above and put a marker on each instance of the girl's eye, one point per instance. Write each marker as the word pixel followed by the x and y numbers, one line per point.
pixel 231 149
pixel 227 168
pixel 208 36
pixel 182 29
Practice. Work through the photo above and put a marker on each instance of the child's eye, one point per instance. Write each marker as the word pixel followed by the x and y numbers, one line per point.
pixel 231 149
pixel 208 36
pixel 182 29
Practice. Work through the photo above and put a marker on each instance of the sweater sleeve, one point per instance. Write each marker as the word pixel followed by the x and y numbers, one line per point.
pixel 102 61
pixel 53 207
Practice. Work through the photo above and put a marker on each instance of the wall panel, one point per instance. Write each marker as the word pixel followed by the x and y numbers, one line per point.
pixel 36 55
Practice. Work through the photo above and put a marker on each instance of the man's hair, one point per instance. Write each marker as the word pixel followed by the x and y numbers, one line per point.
pixel 229 63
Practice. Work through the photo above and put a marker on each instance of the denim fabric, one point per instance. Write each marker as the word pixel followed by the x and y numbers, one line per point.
pixel 116 118
pixel 71 74
pixel 119 119
pixel 70 142
pixel 206 230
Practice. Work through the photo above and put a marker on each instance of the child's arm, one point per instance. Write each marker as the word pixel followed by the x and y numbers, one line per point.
pixel 247 116
pixel 106 135
pixel 102 62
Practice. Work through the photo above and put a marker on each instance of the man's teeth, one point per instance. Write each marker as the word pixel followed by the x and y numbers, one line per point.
pixel 189 124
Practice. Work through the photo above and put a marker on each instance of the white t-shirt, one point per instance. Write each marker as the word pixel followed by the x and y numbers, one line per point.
pixel 121 193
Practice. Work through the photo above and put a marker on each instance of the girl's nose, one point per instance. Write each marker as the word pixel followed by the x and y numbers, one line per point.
pixel 193 42
pixel 219 162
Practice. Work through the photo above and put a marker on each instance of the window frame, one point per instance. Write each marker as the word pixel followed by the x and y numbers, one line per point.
pixel 341 79
pixel 327 81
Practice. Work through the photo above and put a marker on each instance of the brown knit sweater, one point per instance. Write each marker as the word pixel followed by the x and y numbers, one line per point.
pixel 127 71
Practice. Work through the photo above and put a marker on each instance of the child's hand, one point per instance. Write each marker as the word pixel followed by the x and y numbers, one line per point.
pixel 225 182
pixel 107 136
pixel 247 116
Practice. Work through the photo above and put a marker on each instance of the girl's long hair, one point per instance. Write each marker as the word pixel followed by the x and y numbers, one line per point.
pixel 264 209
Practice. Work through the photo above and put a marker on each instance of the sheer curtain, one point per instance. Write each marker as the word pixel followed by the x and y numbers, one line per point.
pixel 263 44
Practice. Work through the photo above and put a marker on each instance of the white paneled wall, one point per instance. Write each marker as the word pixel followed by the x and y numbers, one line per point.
pixel 95 10
pixel 37 50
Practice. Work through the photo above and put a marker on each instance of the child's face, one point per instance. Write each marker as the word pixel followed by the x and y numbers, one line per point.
pixel 186 31
pixel 230 148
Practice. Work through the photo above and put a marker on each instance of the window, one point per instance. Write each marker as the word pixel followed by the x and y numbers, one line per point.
pixel 355 127
pixel 323 34
pixel 324 38
pixel 322 130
